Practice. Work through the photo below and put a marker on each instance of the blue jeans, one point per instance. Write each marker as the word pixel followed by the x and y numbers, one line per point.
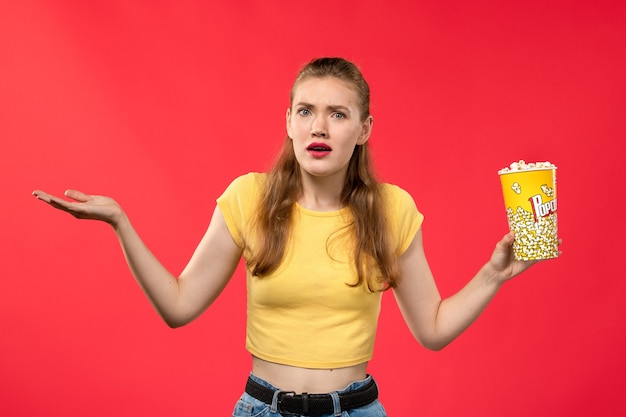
pixel 248 406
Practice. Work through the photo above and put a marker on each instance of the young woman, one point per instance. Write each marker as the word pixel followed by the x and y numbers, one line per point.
pixel 321 239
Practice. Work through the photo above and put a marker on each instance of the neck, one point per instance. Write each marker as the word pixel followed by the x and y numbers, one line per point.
pixel 321 193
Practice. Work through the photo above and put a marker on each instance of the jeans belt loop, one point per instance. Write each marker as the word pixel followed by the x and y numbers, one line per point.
pixel 305 403
pixel 274 405
pixel 336 404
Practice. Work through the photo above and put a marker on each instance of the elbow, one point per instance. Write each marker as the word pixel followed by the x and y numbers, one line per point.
pixel 435 347
pixel 433 343
pixel 176 316
pixel 174 322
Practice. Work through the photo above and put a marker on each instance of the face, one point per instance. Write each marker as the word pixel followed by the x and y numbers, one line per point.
pixel 324 124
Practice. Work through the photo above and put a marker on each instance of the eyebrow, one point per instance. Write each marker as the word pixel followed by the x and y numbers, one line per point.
pixel 333 107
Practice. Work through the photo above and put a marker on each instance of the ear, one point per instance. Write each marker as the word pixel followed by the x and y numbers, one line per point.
pixel 288 121
pixel 366 130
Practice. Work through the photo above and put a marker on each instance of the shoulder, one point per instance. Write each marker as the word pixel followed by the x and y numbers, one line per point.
pixel 396 196
pixel 239 202
pixel 403 216
pixel 243 191
pixel 248 181
pixel 246 185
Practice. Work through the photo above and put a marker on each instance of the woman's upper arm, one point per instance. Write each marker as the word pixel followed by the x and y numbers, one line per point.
pixel 416 293
pixel 210 267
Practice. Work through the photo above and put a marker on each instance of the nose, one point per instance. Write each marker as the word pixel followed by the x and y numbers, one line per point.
pixel 318 128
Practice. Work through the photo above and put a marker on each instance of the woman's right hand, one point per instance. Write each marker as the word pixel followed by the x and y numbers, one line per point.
pixel 85 206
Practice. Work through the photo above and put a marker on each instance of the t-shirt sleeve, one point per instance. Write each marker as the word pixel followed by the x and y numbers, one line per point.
pixel 236 204
pixel 405 218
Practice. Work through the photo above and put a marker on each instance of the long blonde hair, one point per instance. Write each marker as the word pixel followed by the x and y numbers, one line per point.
pixel 361 194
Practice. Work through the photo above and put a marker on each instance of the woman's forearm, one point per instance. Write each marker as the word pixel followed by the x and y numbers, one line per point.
pixel 159 285
pixel 457 312
pixel 435 322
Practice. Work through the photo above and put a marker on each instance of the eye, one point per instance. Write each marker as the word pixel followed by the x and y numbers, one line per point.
pixel 338 115
pixel 304 111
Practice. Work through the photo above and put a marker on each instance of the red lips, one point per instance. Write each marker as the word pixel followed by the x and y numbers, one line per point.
pixel 318 150
pixel 318 147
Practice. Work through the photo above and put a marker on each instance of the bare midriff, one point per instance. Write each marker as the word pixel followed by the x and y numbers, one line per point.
pixel 312 381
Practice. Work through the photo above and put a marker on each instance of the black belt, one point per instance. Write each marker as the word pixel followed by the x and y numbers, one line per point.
pixel 313 404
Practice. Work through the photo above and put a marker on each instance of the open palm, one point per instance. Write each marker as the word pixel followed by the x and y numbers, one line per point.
pixel 84 206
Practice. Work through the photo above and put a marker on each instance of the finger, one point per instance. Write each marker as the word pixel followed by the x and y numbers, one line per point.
pixel 77 195
pixel 40 195
pixel 54 201
pixel 507 240
pixel 45 197
pixel 61 204
pixel 75 208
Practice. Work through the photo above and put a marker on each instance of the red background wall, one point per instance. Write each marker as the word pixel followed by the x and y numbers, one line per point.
pixel 161 104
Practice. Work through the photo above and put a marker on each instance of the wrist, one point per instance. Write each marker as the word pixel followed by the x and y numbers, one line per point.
pixel 119 220
pixel 492 275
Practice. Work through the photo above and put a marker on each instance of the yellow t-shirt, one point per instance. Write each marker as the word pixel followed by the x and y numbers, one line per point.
pixel 303 314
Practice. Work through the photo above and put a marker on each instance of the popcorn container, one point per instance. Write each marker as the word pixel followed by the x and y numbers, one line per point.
pixel 529 192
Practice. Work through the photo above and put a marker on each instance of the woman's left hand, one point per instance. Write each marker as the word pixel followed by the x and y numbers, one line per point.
pixel 503 262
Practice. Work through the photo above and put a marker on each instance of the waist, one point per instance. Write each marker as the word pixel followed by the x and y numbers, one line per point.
pixel 295 379
pixel 356 395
